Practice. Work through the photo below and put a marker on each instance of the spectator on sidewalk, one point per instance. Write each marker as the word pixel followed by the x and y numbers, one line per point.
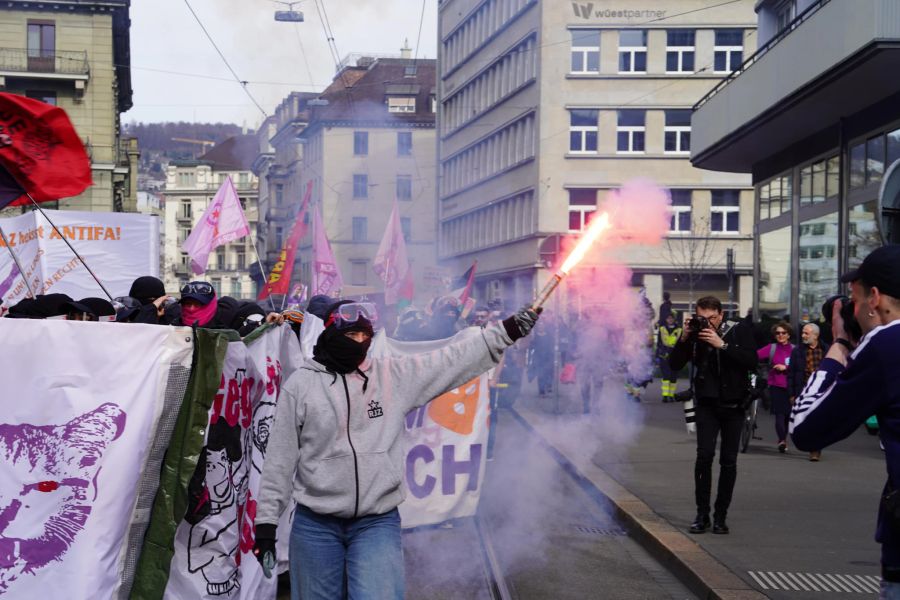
pixel 542 356
pixel 723 356
pixel 668 336
pixel 856 381
pixel 778 355
pixel 805 360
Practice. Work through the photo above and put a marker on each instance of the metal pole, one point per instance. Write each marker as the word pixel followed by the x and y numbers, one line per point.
pixel 18 264
pixel 72 248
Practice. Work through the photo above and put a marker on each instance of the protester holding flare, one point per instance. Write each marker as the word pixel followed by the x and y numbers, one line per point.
pixel 335 450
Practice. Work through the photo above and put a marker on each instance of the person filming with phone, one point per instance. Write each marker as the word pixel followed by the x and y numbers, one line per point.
pixel 859 378
pixel 722 354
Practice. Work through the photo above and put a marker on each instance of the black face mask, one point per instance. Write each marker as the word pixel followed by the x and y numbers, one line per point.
pixel 338 353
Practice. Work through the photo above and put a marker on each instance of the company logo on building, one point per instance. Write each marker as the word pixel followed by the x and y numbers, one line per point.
pixel 586 11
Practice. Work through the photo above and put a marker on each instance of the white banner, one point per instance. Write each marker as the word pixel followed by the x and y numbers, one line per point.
pixel 445 446
pixel 80 405
pixel 213 545
pixel 118 247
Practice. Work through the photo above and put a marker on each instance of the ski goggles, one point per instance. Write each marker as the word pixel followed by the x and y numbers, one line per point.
pixel 347 315
pixel 198 287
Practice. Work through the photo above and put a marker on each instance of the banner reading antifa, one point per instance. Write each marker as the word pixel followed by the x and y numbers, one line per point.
pixel 160 453
pixel 116 245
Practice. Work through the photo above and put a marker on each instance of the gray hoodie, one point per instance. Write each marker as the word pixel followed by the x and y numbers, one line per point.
pixel 337 449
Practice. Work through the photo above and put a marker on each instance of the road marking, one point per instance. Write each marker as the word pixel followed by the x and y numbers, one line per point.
pixel 816 582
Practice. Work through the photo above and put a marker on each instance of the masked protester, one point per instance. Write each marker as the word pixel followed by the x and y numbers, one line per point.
pixel 155 306
pixel 199 305
pixel 335 450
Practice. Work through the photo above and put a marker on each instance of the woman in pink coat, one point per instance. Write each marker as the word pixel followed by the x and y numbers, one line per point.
pixel 778 354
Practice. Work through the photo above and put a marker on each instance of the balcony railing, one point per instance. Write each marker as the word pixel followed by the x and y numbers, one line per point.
pixel 20 60
pixel 799 20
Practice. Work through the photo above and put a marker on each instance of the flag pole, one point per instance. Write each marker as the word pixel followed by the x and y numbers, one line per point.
pixel 16 260
pixel 262 269
pixel 71 247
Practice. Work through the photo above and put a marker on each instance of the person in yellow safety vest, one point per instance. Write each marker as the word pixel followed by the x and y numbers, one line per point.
pixel 668 336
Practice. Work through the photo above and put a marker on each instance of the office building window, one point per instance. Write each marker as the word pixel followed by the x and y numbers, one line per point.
pixel 582 204
pixel 241 260
pixel 279 237
pixel 406 228
pixel 360 143
pixel 728 53
pixel 874 159
pixel 216 282
pixel 784 14
pixel 630 131
pixel 360 229
pixel 680 51
pixel 185 209
pixel 404 187
pixel 633 51
pixel 725 212
pixel 813 183
pixel 279 194
pixel 857 166
pixel 358 272
pixel 681 211
pixel 360 185
pixel 404 143
pixel 236 287
pixel 893 147
pixel 583 130
pixel 220 260
pixel 401 104
pixel 677 132
pixel 585 51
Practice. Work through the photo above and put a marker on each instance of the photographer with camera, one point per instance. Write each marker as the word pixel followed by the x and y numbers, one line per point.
pixel 722 354
pixel 857 380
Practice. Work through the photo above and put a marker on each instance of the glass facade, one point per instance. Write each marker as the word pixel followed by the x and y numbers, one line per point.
pixel 818 264
pixel 810 230
pixel 775 273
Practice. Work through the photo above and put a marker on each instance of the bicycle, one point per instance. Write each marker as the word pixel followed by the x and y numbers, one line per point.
pixel 748 430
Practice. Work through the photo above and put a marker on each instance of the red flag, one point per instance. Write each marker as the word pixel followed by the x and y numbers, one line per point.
pixel 41 150
pixel 280 276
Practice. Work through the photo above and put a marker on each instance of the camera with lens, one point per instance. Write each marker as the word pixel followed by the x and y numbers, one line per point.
pixel 697 325
pixel 851 325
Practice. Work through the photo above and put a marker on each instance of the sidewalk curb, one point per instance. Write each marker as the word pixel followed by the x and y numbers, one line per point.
pixel 699 570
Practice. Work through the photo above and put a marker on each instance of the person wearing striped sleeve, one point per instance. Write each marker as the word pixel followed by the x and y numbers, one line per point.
pixel 855 381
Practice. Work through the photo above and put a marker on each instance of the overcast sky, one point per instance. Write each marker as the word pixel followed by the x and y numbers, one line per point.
pixel 178 75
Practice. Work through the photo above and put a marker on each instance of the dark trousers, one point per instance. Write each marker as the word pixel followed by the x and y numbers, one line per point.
pixel 712 420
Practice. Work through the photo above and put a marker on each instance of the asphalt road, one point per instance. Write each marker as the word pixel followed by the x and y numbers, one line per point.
pixel 551 540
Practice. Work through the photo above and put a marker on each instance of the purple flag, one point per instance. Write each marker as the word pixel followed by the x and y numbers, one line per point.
pixel 223 222
pixel 326 275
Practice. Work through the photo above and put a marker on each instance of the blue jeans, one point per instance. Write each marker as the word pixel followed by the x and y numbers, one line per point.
pixel 324 550
pixel 889 591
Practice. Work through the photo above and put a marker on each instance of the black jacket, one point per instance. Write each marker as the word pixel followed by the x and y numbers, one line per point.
pixel 796 375
pixel 719 374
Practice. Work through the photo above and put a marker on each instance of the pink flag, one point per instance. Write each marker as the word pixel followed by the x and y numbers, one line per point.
pixel 326 275
pixel 222 222
pixel 391 263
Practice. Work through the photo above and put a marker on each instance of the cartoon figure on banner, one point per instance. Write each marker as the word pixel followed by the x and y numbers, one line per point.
pixel 218 491
pixel 56 468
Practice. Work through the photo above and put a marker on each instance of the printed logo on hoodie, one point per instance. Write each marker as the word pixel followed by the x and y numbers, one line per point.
pixel 375 409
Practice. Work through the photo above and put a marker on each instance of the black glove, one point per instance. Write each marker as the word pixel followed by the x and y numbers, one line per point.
pixel 264 547
pixel 521 323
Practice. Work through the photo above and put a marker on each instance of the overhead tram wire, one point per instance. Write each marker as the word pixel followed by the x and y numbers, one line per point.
pixel 242 82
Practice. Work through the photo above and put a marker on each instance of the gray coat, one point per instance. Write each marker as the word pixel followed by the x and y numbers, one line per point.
pixel 336 446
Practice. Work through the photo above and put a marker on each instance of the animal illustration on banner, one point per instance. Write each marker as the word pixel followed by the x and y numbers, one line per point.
pixel 61 465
